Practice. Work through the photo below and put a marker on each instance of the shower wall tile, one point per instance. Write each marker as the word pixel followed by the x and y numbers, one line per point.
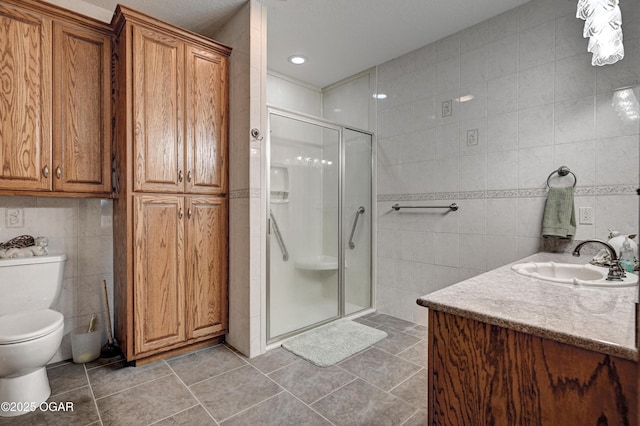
pixel 536 12
pixel 424 82
pixel 473 217
pixel 473 67
pixel 502 170
pixel 625 72
pixel 567 44
pixel 447 249
pixel 581 156
pixel 474 37
pixel 473 252
pixel 608 122
pixel 615 160
pixel 616 212
pixel 475 107
pixel 503 25
pixel 501 250
pixel 448 75
pixel 501 216
pixel 534 165
pixel 473 172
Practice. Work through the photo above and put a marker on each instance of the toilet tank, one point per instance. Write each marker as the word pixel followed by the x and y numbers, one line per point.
pixel 30 283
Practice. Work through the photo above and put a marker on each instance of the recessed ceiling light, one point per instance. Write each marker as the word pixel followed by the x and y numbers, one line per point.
pixel 379 96
pixel 297 59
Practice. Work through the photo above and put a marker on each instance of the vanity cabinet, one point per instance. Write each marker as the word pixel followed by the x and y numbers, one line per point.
pixel 55 106
pixel 170 180
pixel 485 374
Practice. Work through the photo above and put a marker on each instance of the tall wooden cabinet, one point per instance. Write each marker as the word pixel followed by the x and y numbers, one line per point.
pixel 55 103
pixel 171 202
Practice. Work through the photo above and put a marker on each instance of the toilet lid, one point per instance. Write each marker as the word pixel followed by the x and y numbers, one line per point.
pixel 24 326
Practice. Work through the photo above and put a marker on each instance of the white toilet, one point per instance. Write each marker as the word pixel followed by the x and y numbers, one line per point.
pixel 30 332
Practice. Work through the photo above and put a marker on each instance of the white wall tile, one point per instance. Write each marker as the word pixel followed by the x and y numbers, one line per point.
pixel 502 57
pixel 536 86
pixel 424 81
pixel 473 252
pixel 424 113
pixel 501 216
pixel 530 212
pixel 567 44
pixel 446 248
pixel 475 107
pixel 501 251
pixel 617 160
pixel 503 25
pixel 574 77
pixel 447 141
pixel 534 165
pixel 616 212
pixel 446 169
pixel 502 95
pixel 580 157
pixel 472 217
pixel 537 45
pixel 448 47
pixel 502 170
pixel 536 126
pixel 473 172
pixel 609 123
pixel 474 37
pixel 473 67
pixel 448 75
pixel 575 120
pixel 536 12
pixel 623 73
pixel 423 251
pixel 502 132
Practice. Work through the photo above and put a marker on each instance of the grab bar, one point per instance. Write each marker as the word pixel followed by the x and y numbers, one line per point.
pixel 360 211
pixel 453 207
pixel 276 230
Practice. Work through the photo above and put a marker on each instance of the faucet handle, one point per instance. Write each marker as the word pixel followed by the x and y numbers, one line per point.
pixel 616 273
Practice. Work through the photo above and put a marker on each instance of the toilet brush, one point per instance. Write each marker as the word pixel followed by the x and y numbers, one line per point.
pixel 111 349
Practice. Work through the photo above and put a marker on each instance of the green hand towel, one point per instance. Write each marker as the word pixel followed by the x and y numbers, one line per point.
pixel 559 218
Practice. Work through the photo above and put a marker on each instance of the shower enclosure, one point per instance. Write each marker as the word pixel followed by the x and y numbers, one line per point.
pixel 319 212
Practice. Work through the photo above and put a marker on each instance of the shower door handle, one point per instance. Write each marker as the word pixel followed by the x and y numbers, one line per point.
pixel 360 211
pixel 276 231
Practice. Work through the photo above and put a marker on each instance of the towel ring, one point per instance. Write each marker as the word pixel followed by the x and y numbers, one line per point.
pixel 563 171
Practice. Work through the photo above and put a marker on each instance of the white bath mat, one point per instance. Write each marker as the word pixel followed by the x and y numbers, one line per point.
pixel 333 342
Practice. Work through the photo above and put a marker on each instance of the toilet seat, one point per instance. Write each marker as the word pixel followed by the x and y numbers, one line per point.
pixel 28 325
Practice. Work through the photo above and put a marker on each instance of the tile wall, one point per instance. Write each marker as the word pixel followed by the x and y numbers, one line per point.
pixel 482 118
pixel 80 228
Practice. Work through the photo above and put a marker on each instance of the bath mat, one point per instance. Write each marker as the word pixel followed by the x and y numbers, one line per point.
pixel 333 342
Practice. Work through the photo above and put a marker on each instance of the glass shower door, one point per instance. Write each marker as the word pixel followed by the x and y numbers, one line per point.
pixel 357 216
pixel 303 235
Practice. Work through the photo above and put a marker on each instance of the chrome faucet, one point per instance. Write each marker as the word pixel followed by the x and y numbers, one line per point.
pixel 616 273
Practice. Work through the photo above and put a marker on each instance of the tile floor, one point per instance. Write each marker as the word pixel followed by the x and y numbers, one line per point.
pixel 383 385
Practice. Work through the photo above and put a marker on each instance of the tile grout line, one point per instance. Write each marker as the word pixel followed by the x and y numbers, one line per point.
pixel 193 395
pixel 134 386
pixel 217 375
pixel 284 366
pixel 175 414
pixel 338 388
pixel 93 396
pixel 244 410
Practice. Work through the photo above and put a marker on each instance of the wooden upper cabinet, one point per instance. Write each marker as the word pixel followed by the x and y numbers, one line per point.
pixel 206 263
pixel 25 99
pixel 158 135
pixel 159 290
pixel 82 105
pixel 206 121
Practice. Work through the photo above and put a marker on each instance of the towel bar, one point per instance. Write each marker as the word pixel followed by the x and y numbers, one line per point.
pixel 453 207
pixel 563 171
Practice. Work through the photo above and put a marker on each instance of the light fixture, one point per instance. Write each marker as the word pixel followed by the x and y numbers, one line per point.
pixel 603 27
pixel 626 104
pixel 297 59
pixel 379 96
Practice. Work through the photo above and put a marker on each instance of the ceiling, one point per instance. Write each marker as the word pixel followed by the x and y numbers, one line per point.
pixel 339 37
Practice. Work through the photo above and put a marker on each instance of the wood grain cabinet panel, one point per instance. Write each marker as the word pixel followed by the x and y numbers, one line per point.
pixel 25 100
pixel 82 100
pixel 158 137
pixel 206 118
pixel 481 374
pixel 206 260
pixel 159 289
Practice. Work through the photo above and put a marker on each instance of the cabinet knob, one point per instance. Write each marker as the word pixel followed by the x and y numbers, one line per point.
pixel 45 171
pixel 58 172
pixel 180 176
pixel 189 212
pixel 180 213
pixel 189 176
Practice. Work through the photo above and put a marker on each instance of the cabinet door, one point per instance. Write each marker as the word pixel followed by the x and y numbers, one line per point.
pixel 81 96
pixel 158 289
pixel 25 98
pixel 206 121
pixel 206 260
pixel 157 109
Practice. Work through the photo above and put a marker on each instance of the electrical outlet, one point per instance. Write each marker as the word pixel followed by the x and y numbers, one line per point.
pixel 14 218
pixel 586 215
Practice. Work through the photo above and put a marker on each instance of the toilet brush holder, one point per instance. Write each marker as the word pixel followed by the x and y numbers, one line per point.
pixel 85 345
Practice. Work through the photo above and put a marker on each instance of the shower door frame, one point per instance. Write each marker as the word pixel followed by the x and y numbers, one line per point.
pixel 341 246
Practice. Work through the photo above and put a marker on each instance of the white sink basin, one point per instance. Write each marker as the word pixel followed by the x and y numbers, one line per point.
pixel 568 273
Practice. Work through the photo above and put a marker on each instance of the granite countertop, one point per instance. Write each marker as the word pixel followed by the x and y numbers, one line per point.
pixel 598 319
